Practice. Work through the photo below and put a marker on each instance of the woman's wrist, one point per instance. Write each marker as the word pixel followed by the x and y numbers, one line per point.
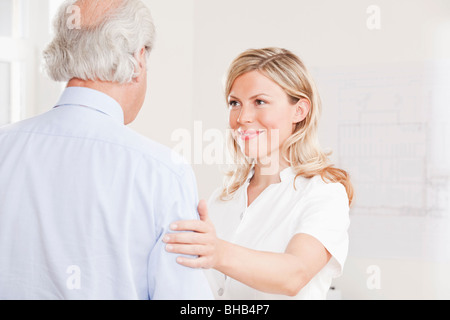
pixel 221 253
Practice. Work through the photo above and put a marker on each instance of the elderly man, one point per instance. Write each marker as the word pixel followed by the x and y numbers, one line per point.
pixel 85 201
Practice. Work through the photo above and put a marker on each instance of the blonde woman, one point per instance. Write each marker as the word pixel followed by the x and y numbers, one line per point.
pixel 278 228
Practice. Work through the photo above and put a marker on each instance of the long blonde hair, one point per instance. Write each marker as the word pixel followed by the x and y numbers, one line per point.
pixel 302 148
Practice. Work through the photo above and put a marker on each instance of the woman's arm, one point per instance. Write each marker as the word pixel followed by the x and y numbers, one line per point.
pixel 279 273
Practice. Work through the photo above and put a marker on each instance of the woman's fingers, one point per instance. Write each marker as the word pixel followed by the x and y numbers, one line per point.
pixel 202 225
pixel 200 259
pixel 195 263
pixel 191 250
pixel 185 237
pixel 190 225
pixel 196 238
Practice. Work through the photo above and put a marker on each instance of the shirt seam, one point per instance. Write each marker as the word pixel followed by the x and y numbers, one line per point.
pixel 124 146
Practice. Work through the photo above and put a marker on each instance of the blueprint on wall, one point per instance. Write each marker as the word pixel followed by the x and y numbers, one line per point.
pixel 393 135
pixel 389 126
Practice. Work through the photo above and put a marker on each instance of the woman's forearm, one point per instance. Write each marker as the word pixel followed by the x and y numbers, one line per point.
pixel 277 273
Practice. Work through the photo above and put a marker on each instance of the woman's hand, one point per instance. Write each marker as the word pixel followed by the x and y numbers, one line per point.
pixel 272 272
pixel 201 241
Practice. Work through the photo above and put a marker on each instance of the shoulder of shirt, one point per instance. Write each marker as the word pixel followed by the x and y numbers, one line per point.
pixel 153 151
pixel 13 126
pixel 124 137
pixel 316 187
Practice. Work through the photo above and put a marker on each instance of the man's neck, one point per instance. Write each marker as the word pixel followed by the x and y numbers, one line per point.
pixel 114 90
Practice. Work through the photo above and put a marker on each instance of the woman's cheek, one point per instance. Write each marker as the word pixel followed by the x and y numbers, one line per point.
pixel 233 120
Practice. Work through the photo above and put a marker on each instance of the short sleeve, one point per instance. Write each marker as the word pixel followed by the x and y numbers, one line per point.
pixel 325 215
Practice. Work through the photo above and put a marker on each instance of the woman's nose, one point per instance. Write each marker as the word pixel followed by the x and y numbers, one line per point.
pixel 247 115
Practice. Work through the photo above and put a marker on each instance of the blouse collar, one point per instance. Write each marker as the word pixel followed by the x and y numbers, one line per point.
pixel 285 174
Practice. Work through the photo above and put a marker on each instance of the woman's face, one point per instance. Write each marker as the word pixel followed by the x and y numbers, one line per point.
pixel 262 116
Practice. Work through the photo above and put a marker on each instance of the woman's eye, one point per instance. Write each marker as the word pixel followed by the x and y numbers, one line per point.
pixel 260 102
pixel 233 104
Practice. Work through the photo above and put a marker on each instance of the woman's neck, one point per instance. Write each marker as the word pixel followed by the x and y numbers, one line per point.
pixel 268 172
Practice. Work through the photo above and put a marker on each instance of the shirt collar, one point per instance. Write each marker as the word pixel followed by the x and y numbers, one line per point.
pixel 285 174
pixel 93 99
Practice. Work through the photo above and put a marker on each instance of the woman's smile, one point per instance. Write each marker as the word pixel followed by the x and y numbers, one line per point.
pixel 249 134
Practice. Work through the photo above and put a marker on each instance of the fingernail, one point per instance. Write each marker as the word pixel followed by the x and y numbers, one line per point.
pixel 166 238
pixel 174 226
pixel 169 248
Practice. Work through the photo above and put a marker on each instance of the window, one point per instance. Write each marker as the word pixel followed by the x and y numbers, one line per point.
pixel 13 30
pixel 6 9
pixel 5 97
pixel 24 33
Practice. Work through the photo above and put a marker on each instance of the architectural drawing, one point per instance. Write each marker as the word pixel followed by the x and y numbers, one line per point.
pixel 393 133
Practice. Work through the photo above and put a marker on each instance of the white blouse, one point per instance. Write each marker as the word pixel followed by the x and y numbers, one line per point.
pixel 281 211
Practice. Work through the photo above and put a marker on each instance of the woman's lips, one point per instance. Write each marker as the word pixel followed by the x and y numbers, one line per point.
pixel 249 134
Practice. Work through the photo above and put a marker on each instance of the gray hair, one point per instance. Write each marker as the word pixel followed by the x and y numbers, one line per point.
pixel 104 51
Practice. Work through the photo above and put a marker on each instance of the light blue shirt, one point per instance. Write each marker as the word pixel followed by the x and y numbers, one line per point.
pixel 84 204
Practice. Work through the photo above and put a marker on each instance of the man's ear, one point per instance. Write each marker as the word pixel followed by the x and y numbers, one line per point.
pixel 141 58
pixel 302 108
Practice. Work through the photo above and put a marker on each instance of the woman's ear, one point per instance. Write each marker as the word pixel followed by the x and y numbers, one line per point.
pixel 302 108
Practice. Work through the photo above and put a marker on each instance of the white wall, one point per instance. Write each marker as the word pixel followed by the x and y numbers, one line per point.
pixel 196 41
pixel 323 33
pixel 332 37
pixel 170 94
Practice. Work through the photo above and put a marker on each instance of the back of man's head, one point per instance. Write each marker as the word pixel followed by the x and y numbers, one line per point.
pixel 98 40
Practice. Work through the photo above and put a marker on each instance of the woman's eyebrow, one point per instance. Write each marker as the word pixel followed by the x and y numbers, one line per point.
pixel 252 97
pixel 259 95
